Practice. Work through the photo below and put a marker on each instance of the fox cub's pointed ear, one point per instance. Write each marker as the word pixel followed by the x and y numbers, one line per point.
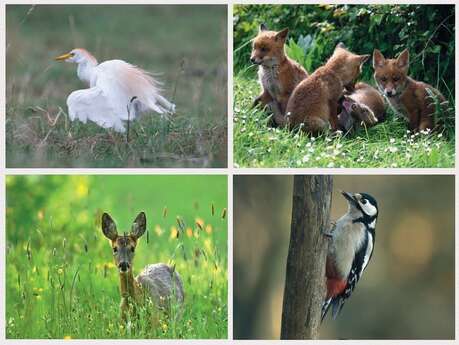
pixel 364 58
pixel 403 59
pixel 282 35
pixel 139 226
pixel 263 27
pixel 378 59
pixel 340 45
pixel 109 227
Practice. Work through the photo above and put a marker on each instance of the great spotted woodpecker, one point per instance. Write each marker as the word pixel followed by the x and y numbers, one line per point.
pixel 350 250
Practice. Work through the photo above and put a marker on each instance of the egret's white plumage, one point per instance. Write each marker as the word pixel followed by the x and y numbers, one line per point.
pixel 118 91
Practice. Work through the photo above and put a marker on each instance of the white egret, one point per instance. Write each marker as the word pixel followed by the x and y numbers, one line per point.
pixel 118 91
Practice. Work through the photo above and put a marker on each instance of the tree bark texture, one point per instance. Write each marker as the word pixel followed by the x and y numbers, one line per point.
pixel 305 276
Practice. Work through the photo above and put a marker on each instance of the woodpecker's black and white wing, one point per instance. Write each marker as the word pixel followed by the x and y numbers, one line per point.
pixel 360 262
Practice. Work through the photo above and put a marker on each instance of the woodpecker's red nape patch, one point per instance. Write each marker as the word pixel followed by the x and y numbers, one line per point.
pixel 335 286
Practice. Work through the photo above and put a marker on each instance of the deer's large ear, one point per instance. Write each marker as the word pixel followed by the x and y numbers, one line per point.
pixel 139 226
pixel 109 227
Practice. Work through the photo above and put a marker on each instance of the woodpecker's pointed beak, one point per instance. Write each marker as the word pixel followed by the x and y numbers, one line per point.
pixel 350 197
pixel 63 57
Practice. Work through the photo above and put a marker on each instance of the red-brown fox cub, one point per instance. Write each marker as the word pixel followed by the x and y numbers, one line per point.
pixel 314 102
pixel 364 104
pixel 278 74
pixel 407 97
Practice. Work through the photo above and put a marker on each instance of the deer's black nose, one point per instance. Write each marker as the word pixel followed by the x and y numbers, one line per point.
pixel 252 59
pixel 123 266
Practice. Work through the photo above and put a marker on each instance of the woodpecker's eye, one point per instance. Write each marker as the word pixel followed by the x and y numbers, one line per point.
pixel 115 249
pixel 364 201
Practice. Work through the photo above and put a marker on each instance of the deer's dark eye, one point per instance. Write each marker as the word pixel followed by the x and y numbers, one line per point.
pixel 396 78
pixel 264 49
pixel 383 79
pixel 115 249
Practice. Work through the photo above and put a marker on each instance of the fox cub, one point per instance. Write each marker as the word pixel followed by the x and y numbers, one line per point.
pixel 277 73
pixel 406 96
pixel 314 102
pixel 363 105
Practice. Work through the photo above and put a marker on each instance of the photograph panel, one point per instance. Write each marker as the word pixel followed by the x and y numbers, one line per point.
pixel 116 257
pixel 344 86
pixel 344 257
pixel 116 86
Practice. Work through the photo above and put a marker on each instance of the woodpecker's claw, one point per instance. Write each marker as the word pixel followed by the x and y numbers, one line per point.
pixel 330 233
pixel 327 234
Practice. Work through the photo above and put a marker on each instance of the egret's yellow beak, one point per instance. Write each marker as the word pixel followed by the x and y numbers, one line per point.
pixel 63 57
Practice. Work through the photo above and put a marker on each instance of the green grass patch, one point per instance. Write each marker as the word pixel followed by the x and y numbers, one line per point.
pixel 60 278
pixel 387 145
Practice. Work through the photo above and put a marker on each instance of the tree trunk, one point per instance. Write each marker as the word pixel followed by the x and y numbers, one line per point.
pixel 304 280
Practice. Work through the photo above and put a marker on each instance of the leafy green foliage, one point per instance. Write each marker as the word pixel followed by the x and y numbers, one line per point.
pixel 60 278
pixel 426 30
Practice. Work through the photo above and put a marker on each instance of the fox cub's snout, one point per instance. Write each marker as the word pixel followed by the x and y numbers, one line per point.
pixel 391 74
pixel 268 47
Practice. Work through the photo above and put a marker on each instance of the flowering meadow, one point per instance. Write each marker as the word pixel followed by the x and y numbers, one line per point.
pixel 61 281
pixel 387 145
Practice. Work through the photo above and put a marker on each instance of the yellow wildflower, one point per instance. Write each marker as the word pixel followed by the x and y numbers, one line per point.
pixel 82 189
pixel 158 230
pixel 174 232
pixel 199 222
pixel 40 214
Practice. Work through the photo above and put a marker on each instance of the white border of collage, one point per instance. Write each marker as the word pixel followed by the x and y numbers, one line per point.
pixel 230 171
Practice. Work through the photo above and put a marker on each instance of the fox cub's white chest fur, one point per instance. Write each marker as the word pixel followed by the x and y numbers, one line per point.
pixel 269 77
pixel 397 105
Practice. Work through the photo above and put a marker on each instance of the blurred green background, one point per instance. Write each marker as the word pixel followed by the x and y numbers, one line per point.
pixel 406 292
pixel 60 278
pixel 185 46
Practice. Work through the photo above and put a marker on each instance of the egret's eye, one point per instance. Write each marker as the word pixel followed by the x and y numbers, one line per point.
pixel 115 249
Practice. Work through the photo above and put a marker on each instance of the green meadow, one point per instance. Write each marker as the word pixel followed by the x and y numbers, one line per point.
pixel 61 281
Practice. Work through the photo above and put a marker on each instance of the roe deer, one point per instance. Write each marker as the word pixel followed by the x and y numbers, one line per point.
pixel 158 281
